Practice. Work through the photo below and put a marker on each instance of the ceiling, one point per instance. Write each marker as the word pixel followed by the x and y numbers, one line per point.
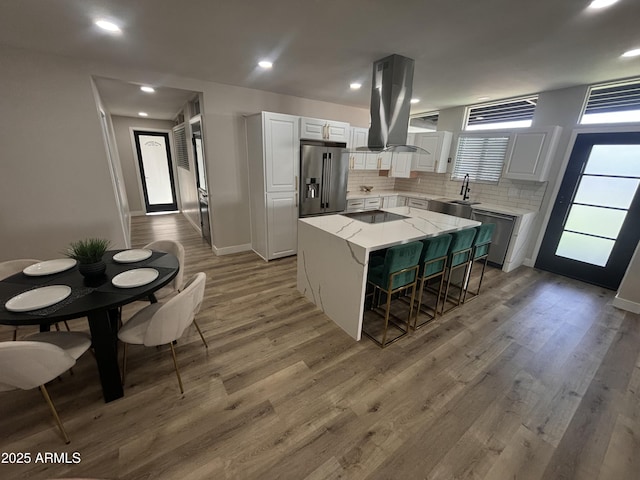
pixel 463 49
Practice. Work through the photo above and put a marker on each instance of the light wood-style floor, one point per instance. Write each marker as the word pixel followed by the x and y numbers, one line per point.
pixel 538 379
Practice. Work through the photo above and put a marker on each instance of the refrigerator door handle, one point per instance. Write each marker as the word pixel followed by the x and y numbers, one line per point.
pixel 322 187
pixel 329 172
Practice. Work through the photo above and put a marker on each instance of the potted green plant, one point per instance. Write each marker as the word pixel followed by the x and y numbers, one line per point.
pixel 89 254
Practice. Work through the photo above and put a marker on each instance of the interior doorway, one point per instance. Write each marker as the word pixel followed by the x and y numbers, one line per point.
pixel 593 229
pixel 156 171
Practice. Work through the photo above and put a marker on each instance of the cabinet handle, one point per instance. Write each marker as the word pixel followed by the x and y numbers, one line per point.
pixel 296 183
pixel 379 163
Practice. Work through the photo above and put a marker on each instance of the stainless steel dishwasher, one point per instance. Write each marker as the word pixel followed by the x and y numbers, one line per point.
pixel 501 235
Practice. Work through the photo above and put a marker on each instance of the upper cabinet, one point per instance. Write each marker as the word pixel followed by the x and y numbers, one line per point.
pixel 328 130
pixel 531 154
pixel 358 138
pixel 438 145
pixel 281 152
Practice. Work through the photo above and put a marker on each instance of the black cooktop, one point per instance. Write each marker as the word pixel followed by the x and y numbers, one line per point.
pixel 375 216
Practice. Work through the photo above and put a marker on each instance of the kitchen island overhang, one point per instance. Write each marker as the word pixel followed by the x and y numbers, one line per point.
pixel 333 256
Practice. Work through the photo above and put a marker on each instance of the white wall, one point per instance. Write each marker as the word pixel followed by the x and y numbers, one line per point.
pixel 55 183
pixel 51 95
pixel 128 157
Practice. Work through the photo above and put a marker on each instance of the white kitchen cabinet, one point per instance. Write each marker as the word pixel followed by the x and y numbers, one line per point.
pixel 355 204
pixel 531 153
pixel 401 164
pixel 390 201
pixel 372 203
pixel 281 152
pixel 438 144
pixel 273 147
pixel 282 220
pixel 418 203
pixel 329 130
pixel 358 137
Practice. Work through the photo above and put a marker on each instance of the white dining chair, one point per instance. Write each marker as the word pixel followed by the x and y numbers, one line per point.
pixel 175 248
pixel 26 364
pixel 163 323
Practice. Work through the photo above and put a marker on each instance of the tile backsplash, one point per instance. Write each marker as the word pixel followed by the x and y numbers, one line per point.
pixel 510 193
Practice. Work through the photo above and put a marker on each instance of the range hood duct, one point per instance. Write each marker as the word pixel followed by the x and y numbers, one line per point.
pixel 391 91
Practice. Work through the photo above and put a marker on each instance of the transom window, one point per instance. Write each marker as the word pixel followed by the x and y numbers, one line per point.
pixel 613 103
pixel 515 113
pixel 424 122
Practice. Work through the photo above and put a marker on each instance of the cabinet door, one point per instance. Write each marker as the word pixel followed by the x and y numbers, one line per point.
pixel 401 165
pixel 531 154
pixel 384 161
pixel 358 161
pixel 337 131
pixel 359 137
pixel 390 201
pixel 312 128
pixel 355 204
pixel 438 144
pixel 282 224
pixel 281 152
pixel 371 161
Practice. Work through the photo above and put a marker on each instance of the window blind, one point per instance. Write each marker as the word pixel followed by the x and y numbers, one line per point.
pixel 180 141
pixel 486 115
pixel 480 156
pixel 606 101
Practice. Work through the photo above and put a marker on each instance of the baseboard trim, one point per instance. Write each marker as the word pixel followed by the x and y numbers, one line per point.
pixel 233 249
pixel 137 213
pixel 529 262
pixel 627 305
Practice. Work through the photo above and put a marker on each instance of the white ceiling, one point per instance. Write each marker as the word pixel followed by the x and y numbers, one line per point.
pixel 463 49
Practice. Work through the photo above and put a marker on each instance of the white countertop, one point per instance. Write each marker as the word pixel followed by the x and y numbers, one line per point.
pixel 490 207
pixel 419 224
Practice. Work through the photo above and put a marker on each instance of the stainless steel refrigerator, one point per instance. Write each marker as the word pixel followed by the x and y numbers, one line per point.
pixel 324 167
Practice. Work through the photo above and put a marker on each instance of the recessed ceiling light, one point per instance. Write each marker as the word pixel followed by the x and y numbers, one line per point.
pixel 144 88
pixel 415 100
pixel 108 26
pixel 597 4
pixel 483 98
pixel 265 64
pixel 632 53
pixel 355 86
pixel 143 114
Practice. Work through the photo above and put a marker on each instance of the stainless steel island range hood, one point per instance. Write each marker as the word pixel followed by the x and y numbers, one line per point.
pixel 391 90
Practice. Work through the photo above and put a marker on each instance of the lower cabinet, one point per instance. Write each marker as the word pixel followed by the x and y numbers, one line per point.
pixel 418 203
pixel 282 224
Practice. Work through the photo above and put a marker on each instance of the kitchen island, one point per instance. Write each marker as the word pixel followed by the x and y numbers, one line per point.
pixel 333 255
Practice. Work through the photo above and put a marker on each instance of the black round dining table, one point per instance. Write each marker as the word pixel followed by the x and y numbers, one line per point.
pixel 98 300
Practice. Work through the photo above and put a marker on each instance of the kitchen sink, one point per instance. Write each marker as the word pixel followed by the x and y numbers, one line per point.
pixel 463 202
pixel 451 207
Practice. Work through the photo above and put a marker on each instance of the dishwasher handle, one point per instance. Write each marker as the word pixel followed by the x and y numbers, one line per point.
pixel 484 213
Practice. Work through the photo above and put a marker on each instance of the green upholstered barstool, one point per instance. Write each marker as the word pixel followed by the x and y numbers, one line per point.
pixel 481 246
pixel 459 257
pixel 396 273
pixel 433 264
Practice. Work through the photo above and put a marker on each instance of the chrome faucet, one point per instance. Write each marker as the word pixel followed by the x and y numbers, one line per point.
pixel 464 190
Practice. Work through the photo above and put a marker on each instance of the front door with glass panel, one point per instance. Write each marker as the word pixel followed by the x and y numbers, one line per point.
pixel 595 223
pixel 154 158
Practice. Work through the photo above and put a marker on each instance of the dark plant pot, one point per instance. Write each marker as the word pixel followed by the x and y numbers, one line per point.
pixel 92 270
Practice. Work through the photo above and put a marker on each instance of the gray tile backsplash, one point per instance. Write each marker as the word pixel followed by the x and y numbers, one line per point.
pixel 507 192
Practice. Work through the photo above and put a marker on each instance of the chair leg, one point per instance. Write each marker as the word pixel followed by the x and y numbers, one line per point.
pixel 54 412
pixel 124 362
pixel 200 332
pixel 175 364
pixel 57 327
pixel 15 334
pixel 386 319
pixel 67 325
pixel 415 319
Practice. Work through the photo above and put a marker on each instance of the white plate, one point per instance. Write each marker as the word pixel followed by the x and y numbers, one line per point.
pixel 135 278
pixel 130 256
pixel 38 298
pixel 49 267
